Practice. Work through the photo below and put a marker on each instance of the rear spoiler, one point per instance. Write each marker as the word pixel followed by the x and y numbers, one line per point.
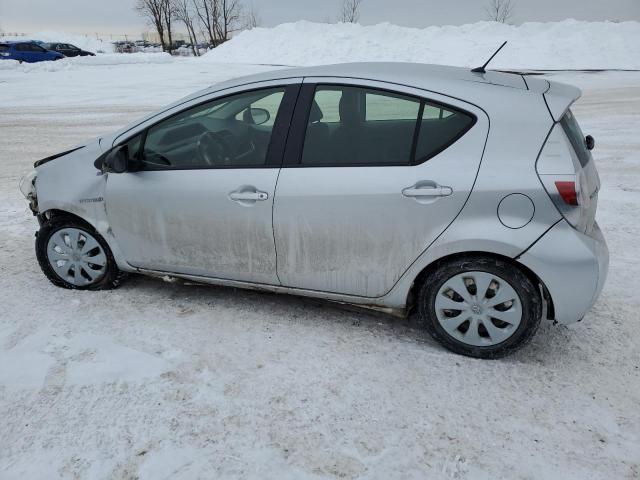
pixel 560 97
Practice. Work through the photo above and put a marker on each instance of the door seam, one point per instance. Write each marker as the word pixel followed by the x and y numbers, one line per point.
pixel 275 188
pixel 273 225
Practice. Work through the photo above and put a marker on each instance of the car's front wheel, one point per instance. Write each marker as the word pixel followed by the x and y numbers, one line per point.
pixel 73 255
pixel 479 306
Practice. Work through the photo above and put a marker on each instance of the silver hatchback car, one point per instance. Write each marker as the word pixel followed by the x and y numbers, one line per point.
pixel 469 197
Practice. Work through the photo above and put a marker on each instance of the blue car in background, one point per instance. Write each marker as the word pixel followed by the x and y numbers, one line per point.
pixel 26 51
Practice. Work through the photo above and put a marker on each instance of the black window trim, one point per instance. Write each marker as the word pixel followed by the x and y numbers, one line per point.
pixel 279 133
pixel 298 130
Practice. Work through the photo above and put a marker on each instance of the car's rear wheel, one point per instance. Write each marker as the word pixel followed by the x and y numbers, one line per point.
pixel 73 255
pixel 479 306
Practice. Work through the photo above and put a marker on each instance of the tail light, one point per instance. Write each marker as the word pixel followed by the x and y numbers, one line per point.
pixel 567 191
pixel 565 180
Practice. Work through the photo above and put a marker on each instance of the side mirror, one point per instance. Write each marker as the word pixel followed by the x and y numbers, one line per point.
pixel 117 160
pixel 589 140
pixel 260 115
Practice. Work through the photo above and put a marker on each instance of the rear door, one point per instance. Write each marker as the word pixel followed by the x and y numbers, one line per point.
pixel 371 178
pixel 61 48
pixel 70 50
pixel 23 52
pixel 34 53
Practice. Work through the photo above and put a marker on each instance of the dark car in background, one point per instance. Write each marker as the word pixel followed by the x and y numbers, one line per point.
pixel 27 51
pixel 68 50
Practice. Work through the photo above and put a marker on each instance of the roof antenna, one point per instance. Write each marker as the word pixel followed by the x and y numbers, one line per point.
pixel 482 68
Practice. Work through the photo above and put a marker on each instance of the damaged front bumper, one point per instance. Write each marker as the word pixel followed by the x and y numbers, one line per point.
pixel 28 189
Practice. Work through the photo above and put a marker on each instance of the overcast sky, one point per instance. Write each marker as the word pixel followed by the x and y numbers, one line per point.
pixel 119 17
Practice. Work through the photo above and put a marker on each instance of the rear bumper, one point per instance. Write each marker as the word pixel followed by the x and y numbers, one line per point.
pixel 573 267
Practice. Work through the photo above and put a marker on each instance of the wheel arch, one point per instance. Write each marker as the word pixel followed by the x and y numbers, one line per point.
pixel 57 213
pixel 101 229
pixel 530 274
pixel 54 220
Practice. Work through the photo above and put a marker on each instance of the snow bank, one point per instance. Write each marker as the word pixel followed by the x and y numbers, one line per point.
pixel 84 42
pixel 569 44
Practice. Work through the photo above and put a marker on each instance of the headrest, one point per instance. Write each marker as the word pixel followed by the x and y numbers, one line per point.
pixel 316 114
pixel 350 111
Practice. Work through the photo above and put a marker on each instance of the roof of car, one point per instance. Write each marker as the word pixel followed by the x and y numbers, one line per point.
pixel 14 42
pixel 457 82
pixel 410 74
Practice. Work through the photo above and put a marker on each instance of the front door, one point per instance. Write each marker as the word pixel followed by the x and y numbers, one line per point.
pixel 369 182
pixel 200 202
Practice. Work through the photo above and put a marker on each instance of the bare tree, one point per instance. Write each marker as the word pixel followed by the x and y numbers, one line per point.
pixel 219 19
pixel 207 13
pixel 168 14
pixel 183 12
pixel 350 11
pixel 252 18
pixel 160 14
pixel 500 10
pixel 152 11
pixel 230 20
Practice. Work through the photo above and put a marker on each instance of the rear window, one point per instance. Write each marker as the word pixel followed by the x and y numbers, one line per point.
pixel 576 137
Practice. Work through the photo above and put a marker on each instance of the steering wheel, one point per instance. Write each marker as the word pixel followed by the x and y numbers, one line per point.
pixel 214 149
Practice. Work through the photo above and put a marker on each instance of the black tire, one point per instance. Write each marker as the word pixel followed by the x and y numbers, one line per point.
pixel 527 292
pixel 112 276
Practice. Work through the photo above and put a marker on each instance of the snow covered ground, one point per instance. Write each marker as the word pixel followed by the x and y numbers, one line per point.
pixel 159 380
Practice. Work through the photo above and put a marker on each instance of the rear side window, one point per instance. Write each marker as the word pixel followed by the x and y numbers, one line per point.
pixel 29 47
pixel 4 48
pixel 356 126
pixel 576 137
pixel 440 127
pixel 386 107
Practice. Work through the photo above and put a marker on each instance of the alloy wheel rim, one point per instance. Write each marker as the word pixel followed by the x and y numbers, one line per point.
pixel 478 308
pixel 76 256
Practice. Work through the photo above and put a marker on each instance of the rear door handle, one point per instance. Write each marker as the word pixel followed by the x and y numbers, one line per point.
pixel 427 191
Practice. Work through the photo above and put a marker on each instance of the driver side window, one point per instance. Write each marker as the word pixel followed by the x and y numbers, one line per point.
pixel 233 131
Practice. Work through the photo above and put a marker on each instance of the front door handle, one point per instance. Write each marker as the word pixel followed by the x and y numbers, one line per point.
pixel 427 191
pixel 249 196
